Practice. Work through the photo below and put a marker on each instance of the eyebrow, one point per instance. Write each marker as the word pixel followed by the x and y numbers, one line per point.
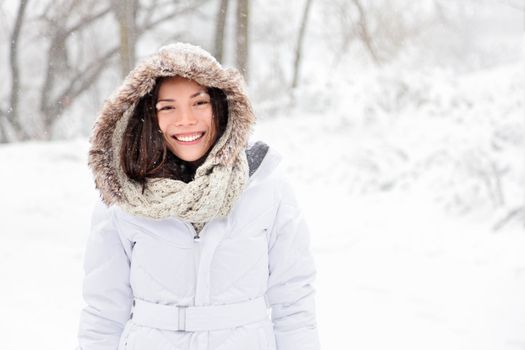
pixel 192 96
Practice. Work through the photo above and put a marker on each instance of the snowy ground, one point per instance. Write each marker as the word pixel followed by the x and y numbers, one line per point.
pixel 394 270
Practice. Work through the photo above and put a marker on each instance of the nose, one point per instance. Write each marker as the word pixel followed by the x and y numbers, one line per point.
pixel 185 117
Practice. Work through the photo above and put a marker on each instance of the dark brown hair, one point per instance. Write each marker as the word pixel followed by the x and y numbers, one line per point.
pixel 144 153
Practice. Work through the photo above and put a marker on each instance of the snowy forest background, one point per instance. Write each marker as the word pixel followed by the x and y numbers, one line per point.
pixel 402 124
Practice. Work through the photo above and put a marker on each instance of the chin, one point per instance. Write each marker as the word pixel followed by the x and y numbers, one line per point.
pixel 188 157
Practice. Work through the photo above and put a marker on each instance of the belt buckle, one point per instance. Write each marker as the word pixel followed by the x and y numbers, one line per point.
pixel 181 324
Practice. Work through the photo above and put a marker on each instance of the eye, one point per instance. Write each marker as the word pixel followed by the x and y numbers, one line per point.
pixel 201 103
pixel 166 108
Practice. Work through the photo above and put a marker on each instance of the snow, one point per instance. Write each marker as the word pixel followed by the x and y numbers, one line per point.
pixel 400 216
pixel 404 276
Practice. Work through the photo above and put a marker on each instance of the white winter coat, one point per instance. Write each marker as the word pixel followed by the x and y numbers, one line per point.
pixel 261 249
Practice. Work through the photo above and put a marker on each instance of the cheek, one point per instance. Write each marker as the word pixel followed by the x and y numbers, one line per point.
pixel 163 123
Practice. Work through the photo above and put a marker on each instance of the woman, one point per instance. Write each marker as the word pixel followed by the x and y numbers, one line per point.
pixel 197 235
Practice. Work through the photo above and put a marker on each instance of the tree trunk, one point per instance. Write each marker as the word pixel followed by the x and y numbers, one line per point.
pixel 242 38
pixel 12 114
pixel 299 47
pixel 55 51
pixel 219 31
pixel 126 11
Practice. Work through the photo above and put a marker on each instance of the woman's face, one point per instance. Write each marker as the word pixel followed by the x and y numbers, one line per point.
pixel 185 118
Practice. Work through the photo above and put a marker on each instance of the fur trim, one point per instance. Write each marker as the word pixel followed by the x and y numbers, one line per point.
pixel 180 59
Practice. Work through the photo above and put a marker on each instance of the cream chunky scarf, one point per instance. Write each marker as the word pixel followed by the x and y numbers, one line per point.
pixel 211 194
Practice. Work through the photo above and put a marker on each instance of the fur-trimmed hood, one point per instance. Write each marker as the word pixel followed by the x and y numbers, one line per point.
pixel 187 61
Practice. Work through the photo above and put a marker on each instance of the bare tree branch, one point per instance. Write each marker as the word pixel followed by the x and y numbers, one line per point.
pixel 77 85
pixel 82 80
pixel 178 12
pixel 155 5
pixel 515 213
pixel 364 33
pixel 69 9
pixel 88 20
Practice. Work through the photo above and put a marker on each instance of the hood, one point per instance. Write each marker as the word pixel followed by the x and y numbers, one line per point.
pixel 187 61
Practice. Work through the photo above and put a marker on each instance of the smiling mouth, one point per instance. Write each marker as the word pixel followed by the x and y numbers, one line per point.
pixel 188 137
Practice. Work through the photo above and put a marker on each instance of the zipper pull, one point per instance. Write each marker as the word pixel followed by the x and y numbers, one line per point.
pixel 196 238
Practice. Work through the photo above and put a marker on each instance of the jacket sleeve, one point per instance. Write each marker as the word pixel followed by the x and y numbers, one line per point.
pixel 292 271
pixel 106 288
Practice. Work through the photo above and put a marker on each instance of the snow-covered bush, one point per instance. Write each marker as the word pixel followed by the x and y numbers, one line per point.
pixel 456 138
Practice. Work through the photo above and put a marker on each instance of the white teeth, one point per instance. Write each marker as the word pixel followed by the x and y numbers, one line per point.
pixel 189 138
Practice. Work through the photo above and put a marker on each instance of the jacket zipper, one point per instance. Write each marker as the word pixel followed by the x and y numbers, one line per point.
pixel 197 251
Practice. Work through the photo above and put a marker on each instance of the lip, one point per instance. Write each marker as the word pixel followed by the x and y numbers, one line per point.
pixel 184 143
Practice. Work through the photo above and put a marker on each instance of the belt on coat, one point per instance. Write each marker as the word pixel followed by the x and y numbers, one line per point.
pixel 199 318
